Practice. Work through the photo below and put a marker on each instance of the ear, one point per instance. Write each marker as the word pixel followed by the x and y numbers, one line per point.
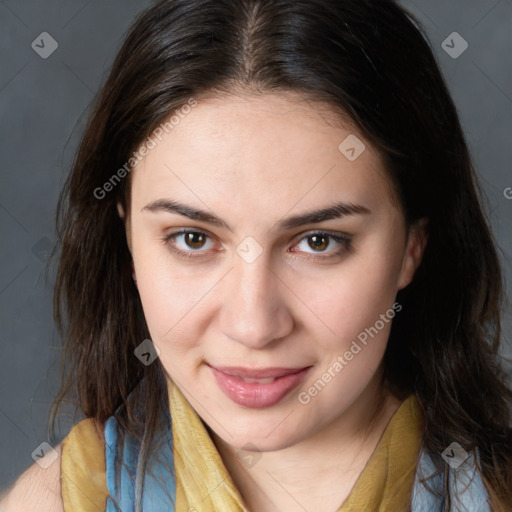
pixel 416 242
pixel 120 210
pixel 123 215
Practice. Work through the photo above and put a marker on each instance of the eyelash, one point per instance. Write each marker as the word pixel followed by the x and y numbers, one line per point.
pixel 344 240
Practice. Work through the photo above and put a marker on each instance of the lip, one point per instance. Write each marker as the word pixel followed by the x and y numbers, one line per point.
pixel 257 394
pixel 264 373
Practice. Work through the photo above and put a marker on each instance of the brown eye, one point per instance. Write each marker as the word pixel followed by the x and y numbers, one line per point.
pixel 324 244
pixel 188 243
pixel 319 242
pixel 194 239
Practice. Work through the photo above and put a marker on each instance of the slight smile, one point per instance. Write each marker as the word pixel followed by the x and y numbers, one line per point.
pixel 257 388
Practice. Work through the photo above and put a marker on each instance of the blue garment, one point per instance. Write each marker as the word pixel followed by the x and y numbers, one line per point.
pixel 121 463
pixel 160 483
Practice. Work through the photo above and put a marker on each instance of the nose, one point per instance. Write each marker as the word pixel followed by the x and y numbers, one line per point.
pixel 254 312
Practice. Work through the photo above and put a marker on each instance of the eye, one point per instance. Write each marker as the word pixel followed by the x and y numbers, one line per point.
pixel 192 241
pixel 320 241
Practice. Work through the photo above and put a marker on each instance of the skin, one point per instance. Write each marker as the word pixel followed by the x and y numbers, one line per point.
pixel 253 161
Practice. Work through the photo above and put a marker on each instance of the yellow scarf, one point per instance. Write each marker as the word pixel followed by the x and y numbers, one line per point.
pixel 203 482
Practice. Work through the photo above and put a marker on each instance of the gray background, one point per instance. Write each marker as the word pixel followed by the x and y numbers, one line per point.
pixel 43 102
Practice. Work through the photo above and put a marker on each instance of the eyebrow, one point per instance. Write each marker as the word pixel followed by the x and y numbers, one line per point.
pixel 336 211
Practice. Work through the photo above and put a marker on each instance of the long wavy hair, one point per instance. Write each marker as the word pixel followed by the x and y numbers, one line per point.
pixel 371 61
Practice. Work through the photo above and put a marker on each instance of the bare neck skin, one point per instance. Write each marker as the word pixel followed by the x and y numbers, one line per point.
pixel 317 473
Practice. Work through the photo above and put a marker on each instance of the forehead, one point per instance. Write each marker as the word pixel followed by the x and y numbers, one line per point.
pixel 272 150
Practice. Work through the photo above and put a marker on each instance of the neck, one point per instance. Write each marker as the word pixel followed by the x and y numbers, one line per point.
pixel 320 470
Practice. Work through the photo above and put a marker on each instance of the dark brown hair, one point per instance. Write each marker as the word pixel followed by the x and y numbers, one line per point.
pixel 368 59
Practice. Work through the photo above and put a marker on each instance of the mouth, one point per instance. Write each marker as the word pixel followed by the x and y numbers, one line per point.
pixel 257 388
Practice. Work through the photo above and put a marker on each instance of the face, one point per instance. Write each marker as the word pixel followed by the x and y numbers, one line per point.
pixel 257 288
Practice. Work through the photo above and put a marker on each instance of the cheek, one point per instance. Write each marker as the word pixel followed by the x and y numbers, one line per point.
pixel 359 307
pixel 352 298
pixel 169 298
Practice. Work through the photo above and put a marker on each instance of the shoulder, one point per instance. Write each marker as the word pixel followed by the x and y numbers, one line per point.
pixel 73 480
pixel 38 488
pixel 84 436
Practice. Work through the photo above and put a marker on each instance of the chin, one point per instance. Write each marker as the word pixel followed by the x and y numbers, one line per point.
pixel 262 437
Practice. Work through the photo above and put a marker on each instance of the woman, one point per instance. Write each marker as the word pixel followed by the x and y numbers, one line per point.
pixel 279 288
